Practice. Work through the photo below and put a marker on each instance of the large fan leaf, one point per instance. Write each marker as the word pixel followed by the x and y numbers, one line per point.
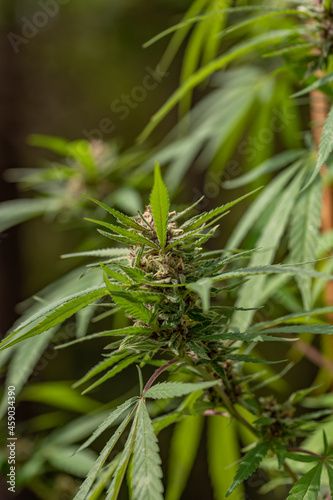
pixel 249 294
pixel 146 471
pixel 66 310
pixel 86 485
pixel 114 415
pixel 305 223
pixel 202 74
pixel 307 488
pixel 176 389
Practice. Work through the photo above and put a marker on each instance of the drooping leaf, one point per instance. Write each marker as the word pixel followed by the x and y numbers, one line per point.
pixel 307 488
pixel 114 415
pixel 136 309
pixel 101 366
pixel 183 450
pixel 59 395
pixel 114 371
pixel 14 212
pixel 268 166
pixel 324 80
pixel 260 204
pixel 129 235
pixel 113 491
pixel 330 476
pixel 222 435
pixel 249 465
pixel 249 293
pixel 203 73
pixel 66 310
pixel 159 202
pixel 198 350
pixel 305 223
pixel 176 389
pixel 146 470
pixel 325 146
pixel 201 219
pixel 122 218
pixel 24 362
pixel 86 485
pixel 102 252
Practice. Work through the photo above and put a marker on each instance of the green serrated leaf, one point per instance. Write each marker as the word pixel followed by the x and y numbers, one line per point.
pixel 198 350
pixel 129 235
pixel 114 415
pixel 135 309
pixel 117 369
pixel 113 491
pixel 307 488
pixel 122 218
pixel 325 146
pixel 305 224
pixel 200 220
pixel 159 202
pixel 330 476
pixel 249 465
pixel 63 312
pixel 103 365
pixel 146 471
pixel 176 389
pixel 324 80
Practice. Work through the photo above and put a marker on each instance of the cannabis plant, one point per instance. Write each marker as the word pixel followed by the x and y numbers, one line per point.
pixel 168 285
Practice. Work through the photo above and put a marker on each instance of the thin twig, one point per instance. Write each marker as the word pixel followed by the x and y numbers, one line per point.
pixel 301 450
pixel 157 373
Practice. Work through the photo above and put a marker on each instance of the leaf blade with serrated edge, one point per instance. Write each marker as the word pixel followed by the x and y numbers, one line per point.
pixel 304 232
pixel 129 235
pixel 135 309
pixel 86 485
pixel 146 471
pixel 114 371
pixel 66 310
pixel 330 476
pixel 249 465
pixel 216 211
pixel 113 491
pixel 176 389
pixel 122 218
pixel 114 415
pixel 325 146
pixel 159 202
pixel 308 486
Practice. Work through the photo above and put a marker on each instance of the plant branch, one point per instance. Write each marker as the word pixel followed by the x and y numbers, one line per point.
pixel 157 373
pixel 301 450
